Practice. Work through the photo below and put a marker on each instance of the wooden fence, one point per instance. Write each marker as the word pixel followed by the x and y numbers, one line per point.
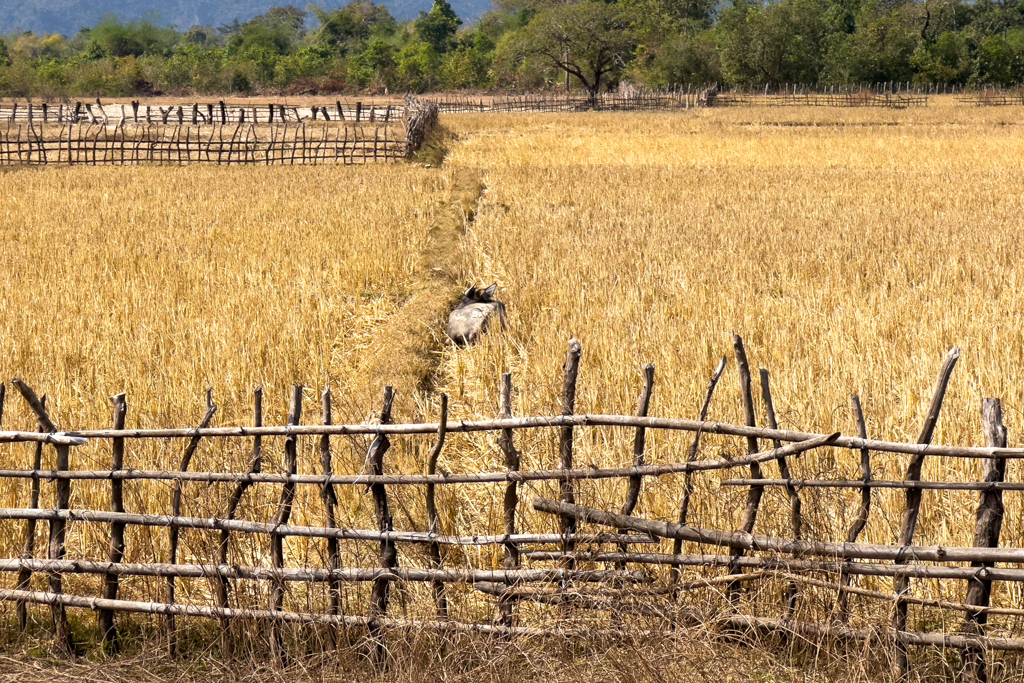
pixel 561 574
pixel 363 137
pixel 556 102
pixel 198 113
pixel 890 95
pixel 217 144
pixel 864 98
pixel 993 97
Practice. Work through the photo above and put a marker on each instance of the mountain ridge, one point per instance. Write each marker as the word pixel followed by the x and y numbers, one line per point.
pixel 68 16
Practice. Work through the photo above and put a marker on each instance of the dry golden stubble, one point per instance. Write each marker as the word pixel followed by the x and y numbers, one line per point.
pixel 850 254
pixel 850 248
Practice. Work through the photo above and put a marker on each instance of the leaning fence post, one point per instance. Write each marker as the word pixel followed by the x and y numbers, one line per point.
pixel 388 553
pixel 110 584
pixel 795 522
pixel 862 513
pixel 913 509
pixel 29 545
pixel 440 599
pixel 755 492
pixel 643 404
pixel 226 645
pixel 986 535
pixel 172 552
pixel 281 516
pixel 684 504
pixel 565 486
pixel 330 499
pixel 511 500
pixel 63 642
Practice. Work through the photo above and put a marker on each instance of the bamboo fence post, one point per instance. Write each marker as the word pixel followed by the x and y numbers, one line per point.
pixel 440 599
pixel 643 404
pixel 29 544
pixel 388 553
pixel 63 643
pixel 511 500
pixel 172 553
pixel 330 500
pixel 209 140
pixel 755 492
pixel 256 466
pixel 865 506
pixel 110 584
pixel 795 521
pixel 913 509
pixel 565 487
pixel 986 535
pixel 281 517
pixel 684 504
pixel 58 532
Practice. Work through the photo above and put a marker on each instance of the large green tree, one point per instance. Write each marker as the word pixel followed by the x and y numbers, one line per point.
pixel 781 42
pixel 589 40
pixel 438 26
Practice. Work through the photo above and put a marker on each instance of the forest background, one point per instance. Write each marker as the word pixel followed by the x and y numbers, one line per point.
pixel 528 45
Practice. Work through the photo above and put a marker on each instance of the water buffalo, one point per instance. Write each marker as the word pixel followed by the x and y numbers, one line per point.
pixel 472 316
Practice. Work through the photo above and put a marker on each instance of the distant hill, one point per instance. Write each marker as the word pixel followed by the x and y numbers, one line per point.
pixel 67 16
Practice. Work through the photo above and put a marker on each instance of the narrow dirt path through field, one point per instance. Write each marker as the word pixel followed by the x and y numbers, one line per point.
pixel 407 349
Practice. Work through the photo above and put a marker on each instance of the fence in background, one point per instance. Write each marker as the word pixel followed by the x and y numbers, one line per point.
pixel 864 98
pixel 247 141
pixel 216 144
pixel 890 95
pixel 197 113
pixel 628 98
pixel 555 569
pixel 993 97
pixel 561 102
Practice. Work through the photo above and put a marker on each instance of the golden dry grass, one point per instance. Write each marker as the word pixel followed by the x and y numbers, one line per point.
pixel 850 248
pixel 162 281
pixel 850 254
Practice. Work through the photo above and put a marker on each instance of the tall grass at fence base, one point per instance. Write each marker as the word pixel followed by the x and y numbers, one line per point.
pixel 688 655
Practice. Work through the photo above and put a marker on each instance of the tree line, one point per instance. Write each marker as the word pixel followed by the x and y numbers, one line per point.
pixel 532 44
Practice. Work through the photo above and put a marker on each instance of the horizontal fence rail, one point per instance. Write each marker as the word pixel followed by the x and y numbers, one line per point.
pixel 599 561
pixel 78 438
pixel 217 524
